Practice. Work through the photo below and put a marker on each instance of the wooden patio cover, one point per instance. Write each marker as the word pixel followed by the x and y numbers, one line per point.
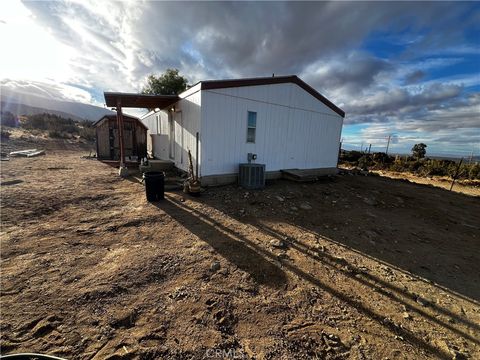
pixel 129 100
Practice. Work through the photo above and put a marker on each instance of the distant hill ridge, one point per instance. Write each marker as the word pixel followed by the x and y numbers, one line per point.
pixel 21 109
pixel 20 103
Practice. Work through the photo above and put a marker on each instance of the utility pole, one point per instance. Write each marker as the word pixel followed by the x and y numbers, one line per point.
pixel 388 144
pixel 369 148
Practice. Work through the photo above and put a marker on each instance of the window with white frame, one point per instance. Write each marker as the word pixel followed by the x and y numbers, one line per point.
pixel 251 126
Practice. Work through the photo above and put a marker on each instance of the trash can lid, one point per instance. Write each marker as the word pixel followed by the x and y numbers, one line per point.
pixel 153 173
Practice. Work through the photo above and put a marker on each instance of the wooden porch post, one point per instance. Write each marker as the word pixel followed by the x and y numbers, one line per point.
pixel 120 132
pixel 123 170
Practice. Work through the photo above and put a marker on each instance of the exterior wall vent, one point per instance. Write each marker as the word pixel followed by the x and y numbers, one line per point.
pixel 251 176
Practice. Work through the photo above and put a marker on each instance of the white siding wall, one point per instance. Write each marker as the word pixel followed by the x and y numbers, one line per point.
pixel 148 121
pixel 157 135
pixel 186 121
pixel 294 129
pixel 187 112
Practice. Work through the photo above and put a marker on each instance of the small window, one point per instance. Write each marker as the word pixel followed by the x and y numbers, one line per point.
pixel 251 126
pixel 158 123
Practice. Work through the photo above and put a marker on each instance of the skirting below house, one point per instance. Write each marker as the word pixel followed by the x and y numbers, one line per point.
pixel 224 179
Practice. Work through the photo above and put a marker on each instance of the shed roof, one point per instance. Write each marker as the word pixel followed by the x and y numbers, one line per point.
pixel 114 117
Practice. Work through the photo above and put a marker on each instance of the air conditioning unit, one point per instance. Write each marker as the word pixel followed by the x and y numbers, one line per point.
pixel 251 176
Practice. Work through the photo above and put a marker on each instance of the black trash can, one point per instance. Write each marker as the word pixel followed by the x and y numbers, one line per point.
pixel 154 185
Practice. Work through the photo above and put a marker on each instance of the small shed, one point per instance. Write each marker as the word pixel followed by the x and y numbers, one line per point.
pixel 107 138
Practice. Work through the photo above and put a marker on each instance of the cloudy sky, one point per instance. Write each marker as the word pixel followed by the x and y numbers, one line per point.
pixel 410 70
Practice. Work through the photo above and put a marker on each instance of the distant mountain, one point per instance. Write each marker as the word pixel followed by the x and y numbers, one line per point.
pixel 21 109
pixel 22 101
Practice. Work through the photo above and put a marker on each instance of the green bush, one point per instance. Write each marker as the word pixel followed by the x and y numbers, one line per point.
pixel 415 166
pixel 59 127
pixel 351 156
pixel 5 135
pixel 87 133
pixel 55 134
pixel 397 166
pixel 474 171
pixel 463 172
pixel 436 168
pixel 421 167
pixel 7 119
pixel 85 124
pixel 50 122
pixel 60 134
pixel 382 158
pixel 365 161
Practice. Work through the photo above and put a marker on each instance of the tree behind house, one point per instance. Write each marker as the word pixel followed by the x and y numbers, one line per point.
pixel 169 83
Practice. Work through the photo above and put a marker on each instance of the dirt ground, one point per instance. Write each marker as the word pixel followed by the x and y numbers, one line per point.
pixel 352 267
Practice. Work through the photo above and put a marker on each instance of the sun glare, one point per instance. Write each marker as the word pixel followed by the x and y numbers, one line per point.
pixel 29 51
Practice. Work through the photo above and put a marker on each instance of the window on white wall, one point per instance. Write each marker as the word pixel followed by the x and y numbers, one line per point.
pixel 251 126
pixel 158 123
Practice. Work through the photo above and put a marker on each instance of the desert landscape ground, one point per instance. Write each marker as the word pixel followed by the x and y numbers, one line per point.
pixel 351 267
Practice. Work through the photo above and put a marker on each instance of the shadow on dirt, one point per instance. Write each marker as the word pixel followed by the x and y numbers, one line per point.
pixel 422 230
pixel 421 208
pixel 232 246
pixel 257 261
pixel 393 292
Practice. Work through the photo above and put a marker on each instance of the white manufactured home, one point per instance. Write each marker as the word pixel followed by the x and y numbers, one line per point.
pixel 282 120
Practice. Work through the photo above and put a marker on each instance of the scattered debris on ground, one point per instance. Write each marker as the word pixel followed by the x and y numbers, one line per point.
pixel 27 153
